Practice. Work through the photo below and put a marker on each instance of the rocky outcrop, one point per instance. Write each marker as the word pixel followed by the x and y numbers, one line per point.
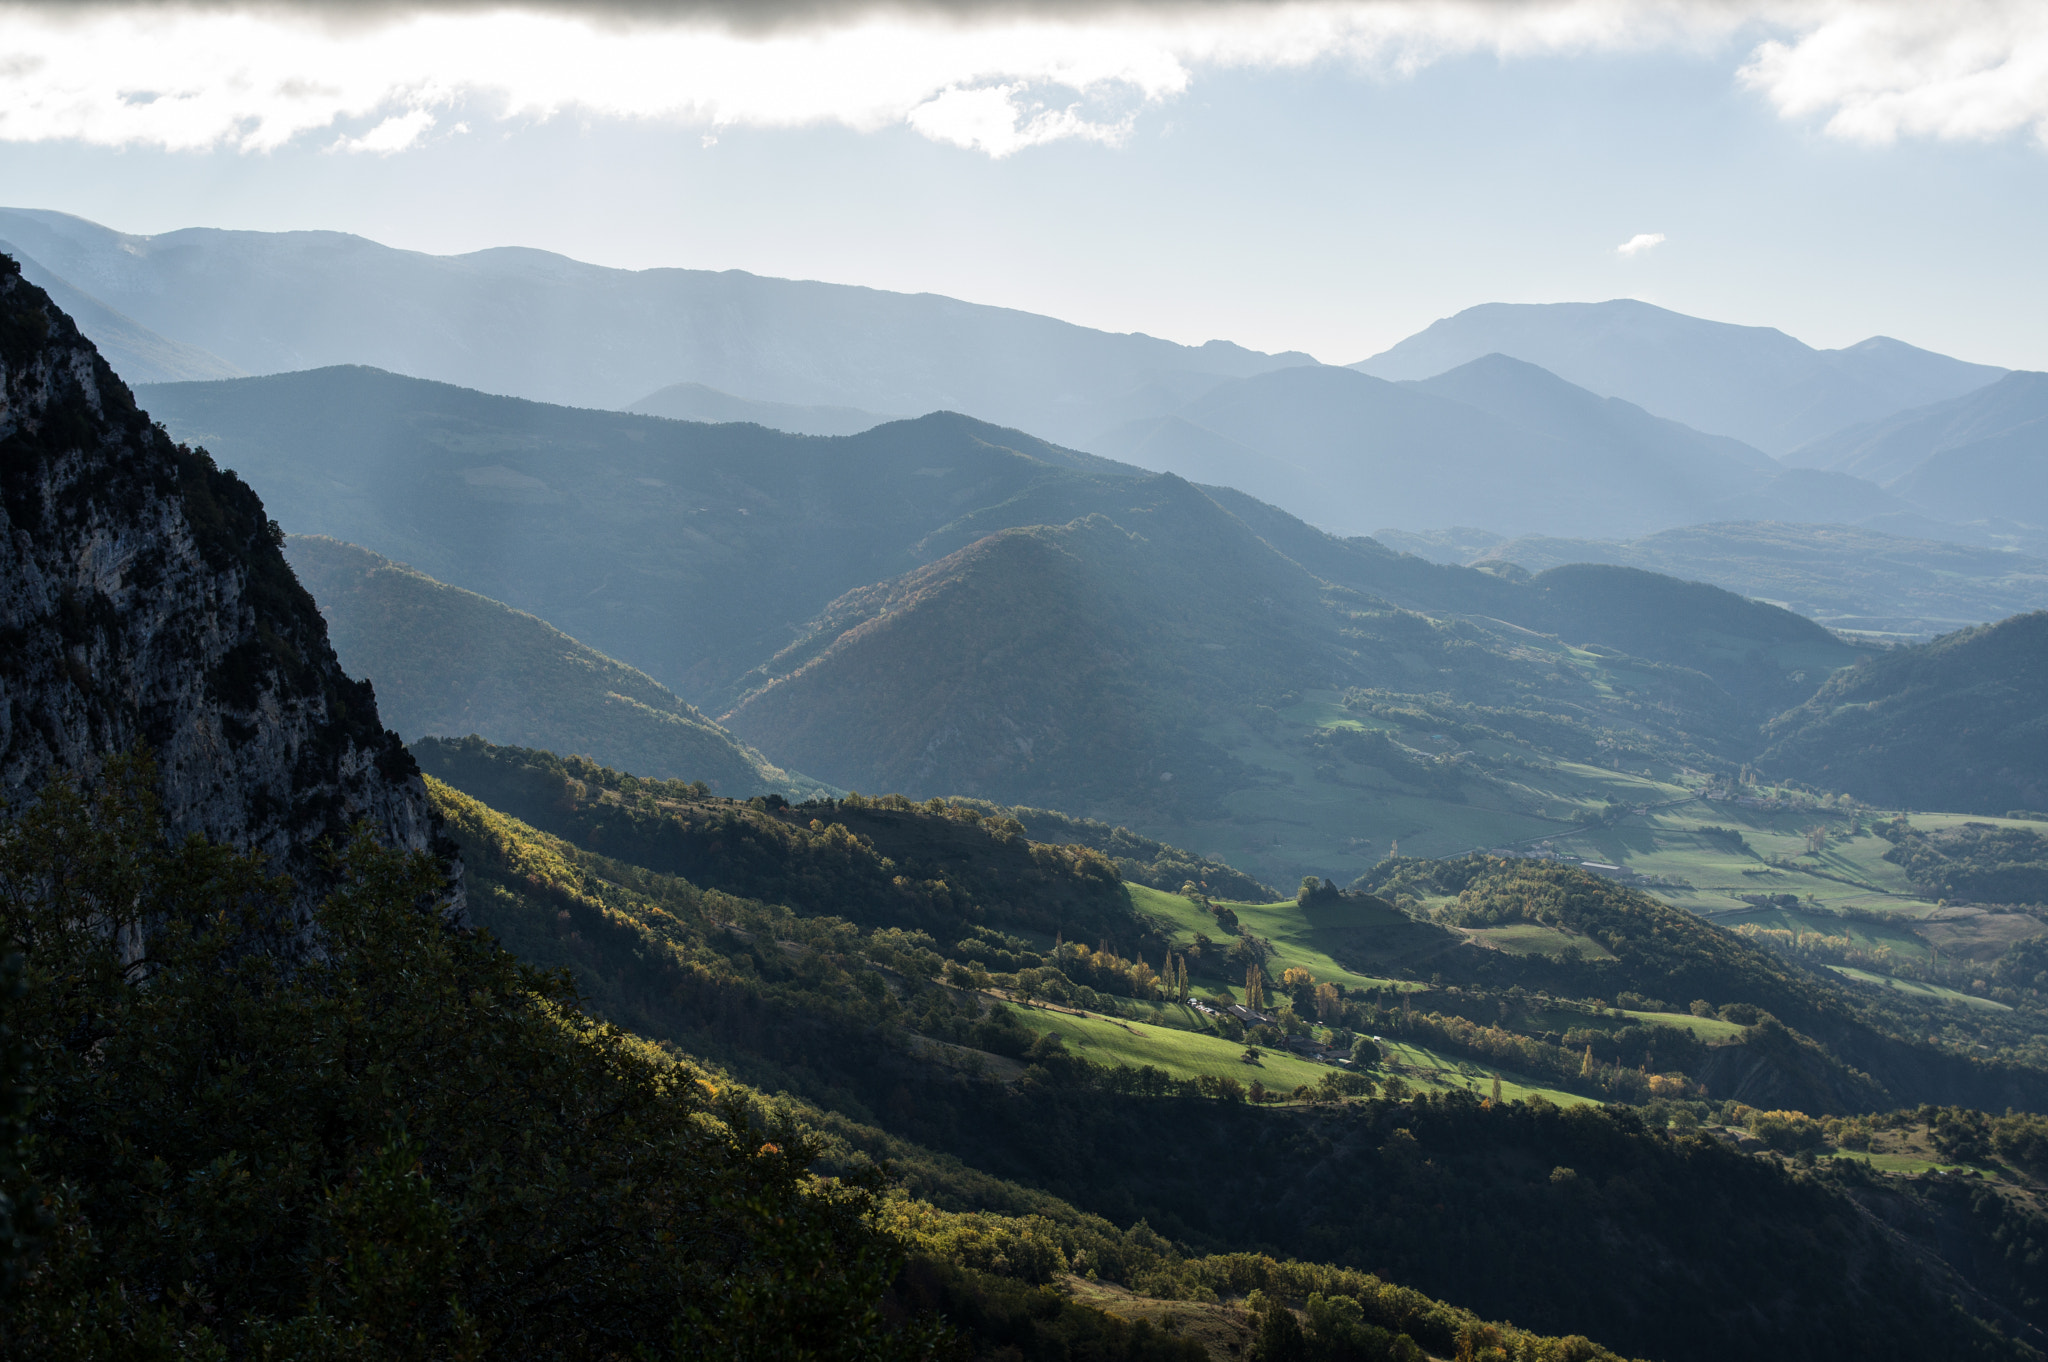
pixel 144 599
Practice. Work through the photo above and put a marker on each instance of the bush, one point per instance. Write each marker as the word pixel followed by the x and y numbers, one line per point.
pixel 1787 1131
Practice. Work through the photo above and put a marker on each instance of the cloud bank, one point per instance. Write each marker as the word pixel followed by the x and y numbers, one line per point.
pixel 380 79
pixel 1640 242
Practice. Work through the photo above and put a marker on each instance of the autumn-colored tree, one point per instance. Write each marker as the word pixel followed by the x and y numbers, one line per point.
pixel 1329 1005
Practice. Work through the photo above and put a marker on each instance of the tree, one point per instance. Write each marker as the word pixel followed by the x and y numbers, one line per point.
pixel 409 1146
pixel 1255 987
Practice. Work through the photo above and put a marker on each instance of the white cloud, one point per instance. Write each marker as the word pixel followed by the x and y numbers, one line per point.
pixel 1961 69
pixel 997 119
pixel 260 77
pixel 395 133
pixel 1640 242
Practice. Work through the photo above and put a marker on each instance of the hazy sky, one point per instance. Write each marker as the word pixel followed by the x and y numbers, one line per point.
pixel 1317 176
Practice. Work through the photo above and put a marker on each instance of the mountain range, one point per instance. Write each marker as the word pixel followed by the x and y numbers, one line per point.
pixel 1981 455
pixel 542 326
pixel 854 607
pixel 1753 383
pixel 1495 442
pixel 1582 438
pixel 1687 1061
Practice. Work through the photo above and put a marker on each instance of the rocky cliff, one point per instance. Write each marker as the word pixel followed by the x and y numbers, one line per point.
pixel 144 599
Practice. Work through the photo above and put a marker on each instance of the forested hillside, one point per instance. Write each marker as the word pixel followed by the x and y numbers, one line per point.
pixel 913 1045
pixel 1952 724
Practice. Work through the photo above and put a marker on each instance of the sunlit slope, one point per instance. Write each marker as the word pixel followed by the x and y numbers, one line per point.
pixel 1159 667
pixel 776 994
pixel 448 662
pixel 1067 667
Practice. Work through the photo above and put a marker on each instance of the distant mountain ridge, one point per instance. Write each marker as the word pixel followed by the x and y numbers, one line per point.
pixel 1496 442
pixel 1979 457
pixel 532 324
pixel 1843 576
pixel 695 402
pixel 855 606
pixel 689 551
pixel 1889 449
pixel 1753 383
pixel 136 353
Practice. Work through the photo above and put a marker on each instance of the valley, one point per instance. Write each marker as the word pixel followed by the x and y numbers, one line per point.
pixel 900 823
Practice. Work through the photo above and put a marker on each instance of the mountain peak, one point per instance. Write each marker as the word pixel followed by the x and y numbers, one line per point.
pixel 1754 383
pixel 145 601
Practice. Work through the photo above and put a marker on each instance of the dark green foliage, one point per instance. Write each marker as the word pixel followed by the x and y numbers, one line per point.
pixel 1952 724
pixel 1976 861
pixel 1070 665
pixel 410 1147
pixel 1672 1247
pixel 1013 1319
pixel 1138 859
pixel 936 867
pixel 20 1211
pixel 1760 654
pixel 1447 1195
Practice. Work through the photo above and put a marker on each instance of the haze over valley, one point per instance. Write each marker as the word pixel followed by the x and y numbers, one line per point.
pixel 639 717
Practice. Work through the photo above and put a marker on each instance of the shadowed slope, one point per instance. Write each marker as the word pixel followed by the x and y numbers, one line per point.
pixel 1959 723
pixel 449 662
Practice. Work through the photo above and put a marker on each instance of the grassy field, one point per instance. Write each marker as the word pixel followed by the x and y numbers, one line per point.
pixel 1931 992
pixel 1529 938
pixel 1708 1029
pixel 1190 1054
pixel 1733 864
pixel 1306 937
pixel 1184 1054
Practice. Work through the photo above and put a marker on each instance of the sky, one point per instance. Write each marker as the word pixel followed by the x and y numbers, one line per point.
pixel 1327 176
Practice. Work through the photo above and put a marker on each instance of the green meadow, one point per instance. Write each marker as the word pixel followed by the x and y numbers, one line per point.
pixel 1190 1054
pixel 1304 937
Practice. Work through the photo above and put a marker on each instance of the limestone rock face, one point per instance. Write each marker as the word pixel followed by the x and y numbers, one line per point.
pixel 144 598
